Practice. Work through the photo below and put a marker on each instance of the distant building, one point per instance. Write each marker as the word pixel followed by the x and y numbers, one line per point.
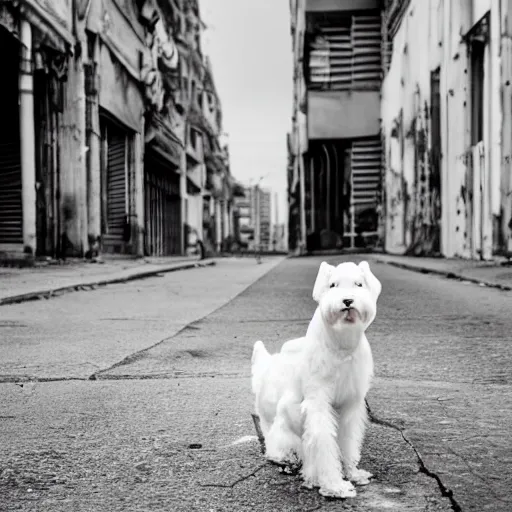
pixel 116 148
pixel 254 221
pixel 244 231
pixel 447 130
pixel 263 218
pixel 279 242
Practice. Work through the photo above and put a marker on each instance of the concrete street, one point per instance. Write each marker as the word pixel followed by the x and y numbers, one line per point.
pixel 137 396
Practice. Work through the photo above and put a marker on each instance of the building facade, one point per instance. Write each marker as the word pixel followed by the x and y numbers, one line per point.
pixel 36 196
pixel 244 220
pixel 447 122
pixel 102 137
pixel 335 164
pixel 263 218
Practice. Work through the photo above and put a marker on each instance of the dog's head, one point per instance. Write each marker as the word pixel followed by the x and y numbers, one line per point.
pixel 347 295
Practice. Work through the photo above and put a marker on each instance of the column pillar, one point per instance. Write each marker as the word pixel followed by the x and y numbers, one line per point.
pixel 27 140
pixel 137 212
pixel 94 152
pixel 184 200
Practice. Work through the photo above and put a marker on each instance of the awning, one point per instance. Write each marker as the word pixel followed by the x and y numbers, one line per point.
pixel 52 23
pixel 121 31
pixel 161 139
pixel 119 94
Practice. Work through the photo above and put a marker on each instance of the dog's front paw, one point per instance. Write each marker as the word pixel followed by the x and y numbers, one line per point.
pixel 310 483
pixel 344 489
pixel 360 476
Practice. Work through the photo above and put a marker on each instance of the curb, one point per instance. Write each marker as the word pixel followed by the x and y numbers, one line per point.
pixel 445 273
pixel 92 284
pixel 335 252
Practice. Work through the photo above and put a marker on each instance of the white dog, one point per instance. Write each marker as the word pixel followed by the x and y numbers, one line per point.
pixel 310 397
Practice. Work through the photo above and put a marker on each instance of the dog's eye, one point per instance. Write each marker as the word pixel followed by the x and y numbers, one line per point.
pixel 359 284
pixel 332 285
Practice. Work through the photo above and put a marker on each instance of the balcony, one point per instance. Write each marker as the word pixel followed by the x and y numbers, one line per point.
pixel 343 72
pixel 343 114
pixel 195 153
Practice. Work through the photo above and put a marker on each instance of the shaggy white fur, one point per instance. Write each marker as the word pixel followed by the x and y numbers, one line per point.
pixel 310 396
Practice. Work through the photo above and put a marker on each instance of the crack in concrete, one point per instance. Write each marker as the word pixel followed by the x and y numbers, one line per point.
pixel 445 491
pixel 16 380
pixel 237 481
pixel 20 380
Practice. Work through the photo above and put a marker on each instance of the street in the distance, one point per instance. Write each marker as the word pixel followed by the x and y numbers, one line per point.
pixel 168 425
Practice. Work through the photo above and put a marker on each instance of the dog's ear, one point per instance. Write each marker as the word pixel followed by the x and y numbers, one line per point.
pixel 322 280
pixel 372 282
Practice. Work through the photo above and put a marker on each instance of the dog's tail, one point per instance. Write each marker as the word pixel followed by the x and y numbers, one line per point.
pixel 259 360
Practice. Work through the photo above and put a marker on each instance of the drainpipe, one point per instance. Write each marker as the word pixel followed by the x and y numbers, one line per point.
pixel 27 141
pixel 303 243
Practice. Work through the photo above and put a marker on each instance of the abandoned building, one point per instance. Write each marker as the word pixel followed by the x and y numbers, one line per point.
pixel 111 128
pixel 431 79
pixel 335 163
pixel 447 121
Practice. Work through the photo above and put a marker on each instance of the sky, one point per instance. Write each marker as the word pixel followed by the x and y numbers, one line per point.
pixel 249 45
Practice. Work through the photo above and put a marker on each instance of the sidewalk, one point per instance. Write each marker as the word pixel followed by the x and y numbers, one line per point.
pixel 44 281
pixel 497 274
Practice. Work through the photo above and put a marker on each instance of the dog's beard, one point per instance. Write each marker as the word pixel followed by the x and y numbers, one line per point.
pixel 350 315
pixel 346 318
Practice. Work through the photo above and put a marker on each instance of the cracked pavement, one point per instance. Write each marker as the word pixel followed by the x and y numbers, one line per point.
pixel 137 396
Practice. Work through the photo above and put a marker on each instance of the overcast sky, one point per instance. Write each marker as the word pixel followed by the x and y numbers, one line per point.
pixel 249 45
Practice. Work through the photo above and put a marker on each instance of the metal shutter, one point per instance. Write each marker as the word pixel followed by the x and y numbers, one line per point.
pixel 11 213
pixel 366 171
pixel 173 225
pixel 346 53
pixel 330 59
pixel 366 57
pixel 116 183
pixel 162 207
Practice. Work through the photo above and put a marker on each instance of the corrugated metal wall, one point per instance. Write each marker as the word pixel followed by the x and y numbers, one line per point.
pixel 162 208
pixel 366 171
pixel 331 59
pixel 116 184
pixel 115 169
pixel 11 221
pixel 366 55
pixel 345 53
pixel 11 215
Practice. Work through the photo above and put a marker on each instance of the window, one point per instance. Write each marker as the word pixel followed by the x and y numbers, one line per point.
pixel 193 91
pixel 478 39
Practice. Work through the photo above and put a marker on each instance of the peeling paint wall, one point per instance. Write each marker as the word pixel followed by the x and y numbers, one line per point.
pixel 505 224
pixel 412 208
pixel 456 208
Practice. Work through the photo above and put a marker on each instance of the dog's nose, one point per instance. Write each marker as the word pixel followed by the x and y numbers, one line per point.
pixel 348 302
